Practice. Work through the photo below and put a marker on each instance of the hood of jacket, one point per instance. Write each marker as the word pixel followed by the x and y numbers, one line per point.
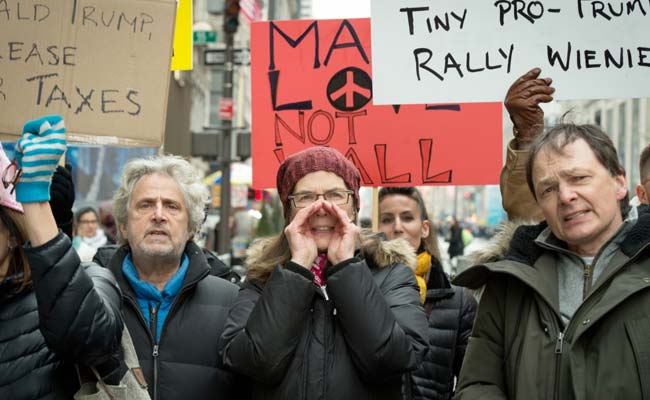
pixel 516 242
pixel 378 253
pixel 500 244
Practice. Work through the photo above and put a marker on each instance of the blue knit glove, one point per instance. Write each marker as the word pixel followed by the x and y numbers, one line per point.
pixel 38 152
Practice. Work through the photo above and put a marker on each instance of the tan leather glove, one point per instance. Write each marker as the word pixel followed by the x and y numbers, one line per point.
pixel 522 102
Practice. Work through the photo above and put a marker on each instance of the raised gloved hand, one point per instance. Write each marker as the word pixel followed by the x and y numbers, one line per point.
pixel 522 102
pixel 62 198
pixel 38 152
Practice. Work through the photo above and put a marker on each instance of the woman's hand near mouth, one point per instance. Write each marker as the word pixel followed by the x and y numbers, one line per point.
pixel 344 237
pixel 299 235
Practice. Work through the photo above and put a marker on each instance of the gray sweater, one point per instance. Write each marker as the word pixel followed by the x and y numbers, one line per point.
pixel 572 287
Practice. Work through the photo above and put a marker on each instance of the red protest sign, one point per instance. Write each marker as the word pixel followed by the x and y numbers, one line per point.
pixel 312 86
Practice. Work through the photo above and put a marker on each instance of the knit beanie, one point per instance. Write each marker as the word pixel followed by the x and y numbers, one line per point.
pixel 310 160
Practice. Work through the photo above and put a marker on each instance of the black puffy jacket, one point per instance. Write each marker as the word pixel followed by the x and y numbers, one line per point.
pixel 451 311
pixel 79 313
pixel 353 340
pixel 185 363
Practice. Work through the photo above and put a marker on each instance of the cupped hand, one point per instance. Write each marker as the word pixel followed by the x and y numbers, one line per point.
pixel 301 241
pixel 522 102
pixel 345 236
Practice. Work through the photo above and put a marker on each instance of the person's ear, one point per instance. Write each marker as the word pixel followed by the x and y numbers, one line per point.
pixel 122 229
pixel 621 189
pixel 641 194
pixel 426 228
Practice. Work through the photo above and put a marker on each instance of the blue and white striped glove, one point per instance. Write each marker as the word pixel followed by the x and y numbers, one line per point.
pixel 38 152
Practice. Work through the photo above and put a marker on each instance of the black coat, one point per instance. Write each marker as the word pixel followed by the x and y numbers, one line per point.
pixel 355 343
pixel 70 314
pixel 184 364
pixel 456 244
pixel 451 312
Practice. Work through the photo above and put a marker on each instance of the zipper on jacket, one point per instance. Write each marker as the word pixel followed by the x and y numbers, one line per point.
pixel 156 348
pixel 155 371
pixel 153 320
pixel 326 315
pixel 587 275
pixel 587 271
pixel 559 343
pixel 613 271
pixel 326 325
pixel 322 289
pixel 559 347
pixel 154 328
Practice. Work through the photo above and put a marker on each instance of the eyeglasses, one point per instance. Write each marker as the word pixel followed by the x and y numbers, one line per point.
pixel 11 175
pixel 338 197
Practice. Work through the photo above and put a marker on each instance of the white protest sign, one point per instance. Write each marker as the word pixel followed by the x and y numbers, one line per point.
pixel 428 51
pixel 101 64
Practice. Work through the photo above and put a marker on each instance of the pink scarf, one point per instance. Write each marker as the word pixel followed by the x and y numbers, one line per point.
pixel 317 268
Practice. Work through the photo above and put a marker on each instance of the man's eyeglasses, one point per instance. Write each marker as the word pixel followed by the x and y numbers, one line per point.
pixel 11 175
pixel 338 197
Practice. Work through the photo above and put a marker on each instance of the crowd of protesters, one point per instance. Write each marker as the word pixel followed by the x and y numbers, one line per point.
pixel 556 307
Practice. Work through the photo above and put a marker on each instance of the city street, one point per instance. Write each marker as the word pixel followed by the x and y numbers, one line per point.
pixel 476 244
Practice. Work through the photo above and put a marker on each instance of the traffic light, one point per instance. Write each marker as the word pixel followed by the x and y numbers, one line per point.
pixel 231 16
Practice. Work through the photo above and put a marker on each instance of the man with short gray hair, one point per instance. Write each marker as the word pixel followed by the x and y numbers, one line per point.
pixel 174 309
pixel 565 314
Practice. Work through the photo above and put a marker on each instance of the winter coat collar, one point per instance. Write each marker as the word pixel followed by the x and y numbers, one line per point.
pixel 377 252
pixel 112 257
pixel 10 286
pixel 444 291
pixel 516 243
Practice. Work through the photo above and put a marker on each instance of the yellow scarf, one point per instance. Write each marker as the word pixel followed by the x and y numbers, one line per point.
pixel 424 264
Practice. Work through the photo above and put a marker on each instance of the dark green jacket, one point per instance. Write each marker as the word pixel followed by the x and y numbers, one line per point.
pixel 520 349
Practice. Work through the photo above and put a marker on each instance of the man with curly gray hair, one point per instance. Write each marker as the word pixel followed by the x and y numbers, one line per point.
pixel 173 307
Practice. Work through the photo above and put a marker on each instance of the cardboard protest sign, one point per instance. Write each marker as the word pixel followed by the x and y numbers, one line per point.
pixel 468 50
pixel 312 86
pixel 183 40
pixel 102 64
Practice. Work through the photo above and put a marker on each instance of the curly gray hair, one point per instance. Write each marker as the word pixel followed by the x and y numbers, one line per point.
pixel 195 193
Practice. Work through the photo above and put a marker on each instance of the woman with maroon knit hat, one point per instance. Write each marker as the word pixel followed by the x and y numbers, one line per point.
pixel 327 312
